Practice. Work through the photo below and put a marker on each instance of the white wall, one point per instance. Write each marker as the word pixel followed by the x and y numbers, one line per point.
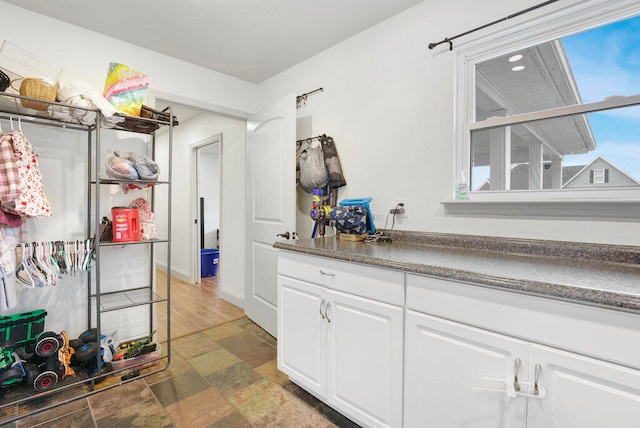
pixel 388 102
pixel 85 55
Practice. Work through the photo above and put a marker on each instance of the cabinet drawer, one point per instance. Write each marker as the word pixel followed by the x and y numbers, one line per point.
pixel 374 283
pixel 602 333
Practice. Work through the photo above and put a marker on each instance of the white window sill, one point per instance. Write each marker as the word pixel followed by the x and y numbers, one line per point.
pixel 580 209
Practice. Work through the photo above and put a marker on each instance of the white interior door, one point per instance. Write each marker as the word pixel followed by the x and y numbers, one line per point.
pixel 271 137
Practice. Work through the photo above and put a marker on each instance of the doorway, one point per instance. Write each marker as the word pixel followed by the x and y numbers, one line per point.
pixel 207 167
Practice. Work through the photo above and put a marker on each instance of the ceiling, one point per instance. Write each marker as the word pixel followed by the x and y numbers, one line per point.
pixel 249 39
pixel 545 81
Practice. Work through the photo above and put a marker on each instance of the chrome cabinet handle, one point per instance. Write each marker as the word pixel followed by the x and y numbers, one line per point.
pixel 326 309
pixel 536 390
pixel 516 385
pixel 321 314
pixel 327 273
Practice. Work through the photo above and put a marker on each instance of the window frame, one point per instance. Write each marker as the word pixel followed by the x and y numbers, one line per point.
pixel 599 203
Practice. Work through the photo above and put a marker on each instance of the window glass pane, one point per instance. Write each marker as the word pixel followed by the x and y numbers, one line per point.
pixel 595 150
pixel 582 68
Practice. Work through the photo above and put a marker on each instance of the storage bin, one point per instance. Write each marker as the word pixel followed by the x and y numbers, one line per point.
pixel 22 329
pixel 209 262
pixel 140 362
pixel 18 63
pixel 29 75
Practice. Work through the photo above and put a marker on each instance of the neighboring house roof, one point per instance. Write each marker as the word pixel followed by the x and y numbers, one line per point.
pixel 573 176
pixel 616 176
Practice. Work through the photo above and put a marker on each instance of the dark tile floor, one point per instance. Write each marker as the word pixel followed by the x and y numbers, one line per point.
pixel 223 377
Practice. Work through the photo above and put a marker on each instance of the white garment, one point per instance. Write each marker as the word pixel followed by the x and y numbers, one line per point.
pixel 9 238
pixel 81 94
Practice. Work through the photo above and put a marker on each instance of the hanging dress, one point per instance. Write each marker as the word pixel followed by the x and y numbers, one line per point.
pixel 30 200
pixel 9 176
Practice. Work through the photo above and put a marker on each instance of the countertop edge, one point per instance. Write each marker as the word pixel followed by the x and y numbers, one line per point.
pixel 593 297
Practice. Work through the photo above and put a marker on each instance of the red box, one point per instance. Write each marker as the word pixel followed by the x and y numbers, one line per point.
pixel 126 224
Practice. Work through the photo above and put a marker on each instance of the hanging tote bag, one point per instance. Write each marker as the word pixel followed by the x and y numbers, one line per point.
pixel 313 172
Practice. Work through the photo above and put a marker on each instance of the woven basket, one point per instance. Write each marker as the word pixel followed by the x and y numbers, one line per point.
pixel 36 88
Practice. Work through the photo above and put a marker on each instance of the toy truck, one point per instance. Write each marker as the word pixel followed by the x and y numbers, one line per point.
pixel 51 352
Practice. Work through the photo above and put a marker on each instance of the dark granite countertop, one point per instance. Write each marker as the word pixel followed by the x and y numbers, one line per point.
pixel 594 274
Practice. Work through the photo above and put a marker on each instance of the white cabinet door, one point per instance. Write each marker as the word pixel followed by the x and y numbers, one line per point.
pixel 364 341
pixel 446 363
pixel 302 338
pixel 582 392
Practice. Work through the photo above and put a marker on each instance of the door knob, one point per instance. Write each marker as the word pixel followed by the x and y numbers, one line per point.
pixel 284 235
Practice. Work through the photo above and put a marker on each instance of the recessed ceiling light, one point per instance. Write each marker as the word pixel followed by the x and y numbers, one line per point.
pixel 518 68
pixel 515 58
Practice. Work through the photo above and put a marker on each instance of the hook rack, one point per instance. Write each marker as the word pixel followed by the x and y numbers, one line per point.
pixel 450 39
pixel 309 140
pixel 301 100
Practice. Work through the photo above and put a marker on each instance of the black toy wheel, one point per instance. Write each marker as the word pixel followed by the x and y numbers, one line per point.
pixel 87 351
pixel 76 343
pixel 90 335
pixel 45 381
pixel 47 344
pixel 32 373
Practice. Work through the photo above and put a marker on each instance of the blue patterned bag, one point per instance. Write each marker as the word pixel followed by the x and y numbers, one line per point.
pixel 350 219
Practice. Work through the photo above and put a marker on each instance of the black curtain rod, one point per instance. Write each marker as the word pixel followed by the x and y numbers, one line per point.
pixel 303 98
pixel 450 39
pixel 308 140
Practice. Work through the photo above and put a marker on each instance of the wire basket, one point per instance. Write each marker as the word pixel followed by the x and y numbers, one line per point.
pixel 36 88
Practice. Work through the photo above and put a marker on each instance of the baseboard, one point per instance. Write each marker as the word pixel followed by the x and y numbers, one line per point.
pixel 231 297
pixel 174 272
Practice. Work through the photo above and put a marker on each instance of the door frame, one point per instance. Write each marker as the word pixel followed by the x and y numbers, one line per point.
pixel 195 208
pixel 208 108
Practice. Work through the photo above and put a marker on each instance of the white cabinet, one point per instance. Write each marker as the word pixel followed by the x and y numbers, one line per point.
pixel 447 363
pixel 458 374
pixel 364 358
pixel 340 335
pixel 583 392
pixel 301 334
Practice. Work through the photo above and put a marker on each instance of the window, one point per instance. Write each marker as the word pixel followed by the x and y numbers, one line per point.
pixel 598 176
pixel 552 109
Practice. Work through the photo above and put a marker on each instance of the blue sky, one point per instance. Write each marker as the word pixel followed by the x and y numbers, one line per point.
pixel 605 62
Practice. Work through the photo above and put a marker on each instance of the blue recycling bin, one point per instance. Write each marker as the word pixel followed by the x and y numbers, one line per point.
pixel 209 262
